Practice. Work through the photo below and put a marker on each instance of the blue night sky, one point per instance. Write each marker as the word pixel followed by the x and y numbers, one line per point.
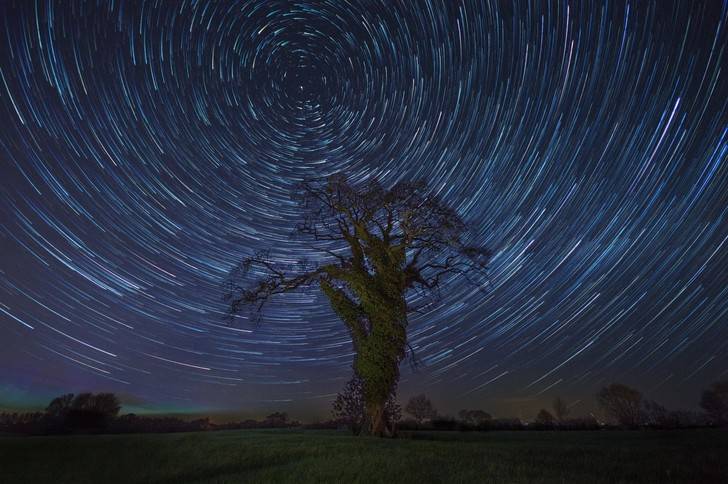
pixel 146 147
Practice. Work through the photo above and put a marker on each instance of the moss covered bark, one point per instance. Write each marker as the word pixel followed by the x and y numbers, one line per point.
pixel 377 319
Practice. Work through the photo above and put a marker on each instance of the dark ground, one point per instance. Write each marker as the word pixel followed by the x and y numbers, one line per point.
pixel 327 456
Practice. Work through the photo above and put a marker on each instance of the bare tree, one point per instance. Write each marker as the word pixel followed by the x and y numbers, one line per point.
pixel 376 245
pixel 561 410
pixel 622 403
pixel 421 408
pixel 655 415
pixel 715 402
pixel 544 418
pixel 277 419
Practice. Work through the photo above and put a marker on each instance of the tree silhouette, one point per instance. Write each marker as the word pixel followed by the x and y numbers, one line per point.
pixel 376 245
pixel 83 411
pixel 277 419
pixel 622 403
pixel 60 406
pixel 544 418
pixel 561 410
pixel 715 402
pixel 421 408
pixel 89 411
pixel 474 417
pixel 106 404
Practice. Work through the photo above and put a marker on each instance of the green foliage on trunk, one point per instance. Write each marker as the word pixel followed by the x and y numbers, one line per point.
pixel 397 240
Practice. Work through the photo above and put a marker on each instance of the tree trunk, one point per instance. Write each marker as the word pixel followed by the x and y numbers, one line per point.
pixel 377 420
pixel 377 364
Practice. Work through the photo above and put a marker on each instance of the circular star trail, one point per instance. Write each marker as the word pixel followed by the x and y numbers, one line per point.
pixel 148 146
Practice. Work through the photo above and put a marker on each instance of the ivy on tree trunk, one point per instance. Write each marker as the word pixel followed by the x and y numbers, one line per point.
pixel 375 245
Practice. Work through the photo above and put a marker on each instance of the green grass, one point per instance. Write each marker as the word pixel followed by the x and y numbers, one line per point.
pixel 325 456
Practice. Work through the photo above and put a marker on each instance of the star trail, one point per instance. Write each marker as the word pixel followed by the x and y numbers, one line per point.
pixel 146 147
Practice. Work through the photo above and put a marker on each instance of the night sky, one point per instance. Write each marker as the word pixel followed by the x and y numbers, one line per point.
pixel 146 147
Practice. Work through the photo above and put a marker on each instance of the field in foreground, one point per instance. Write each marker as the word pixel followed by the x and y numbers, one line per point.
pixel 324 456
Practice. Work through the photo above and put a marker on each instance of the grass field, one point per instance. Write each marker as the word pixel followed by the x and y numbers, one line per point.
pixel 326 456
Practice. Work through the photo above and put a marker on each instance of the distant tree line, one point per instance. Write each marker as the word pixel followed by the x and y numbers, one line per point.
pixel 622 406
pixel 99 413
pixel 626 407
